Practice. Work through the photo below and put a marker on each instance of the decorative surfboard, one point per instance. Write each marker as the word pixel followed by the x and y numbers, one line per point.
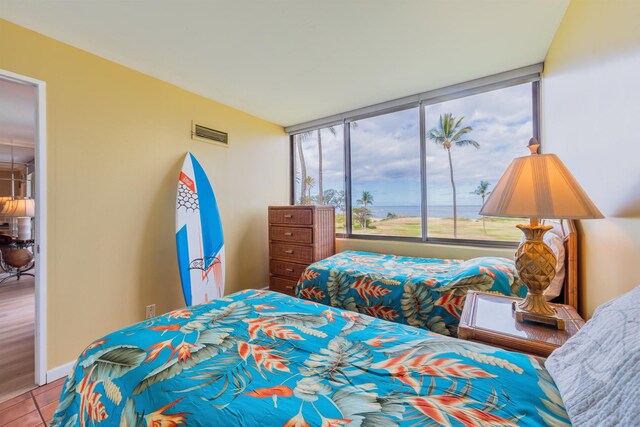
pixel 199 236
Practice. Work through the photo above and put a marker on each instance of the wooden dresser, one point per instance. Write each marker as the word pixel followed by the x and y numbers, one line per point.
pixel 298 236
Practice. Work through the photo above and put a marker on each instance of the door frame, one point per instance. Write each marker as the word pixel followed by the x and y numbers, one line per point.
pixel 40 248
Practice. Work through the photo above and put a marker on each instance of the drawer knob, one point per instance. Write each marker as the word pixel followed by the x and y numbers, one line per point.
pixel 288 251
pixel 288 216
pixel 288 234
pixel 289 287
pixel 290 270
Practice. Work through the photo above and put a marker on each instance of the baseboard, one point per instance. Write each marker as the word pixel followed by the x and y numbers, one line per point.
pixel 59 372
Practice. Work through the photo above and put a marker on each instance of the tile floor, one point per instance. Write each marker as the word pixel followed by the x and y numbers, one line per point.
pixel 32 409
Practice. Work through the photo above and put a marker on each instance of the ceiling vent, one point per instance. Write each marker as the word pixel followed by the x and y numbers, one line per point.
pixel 208 134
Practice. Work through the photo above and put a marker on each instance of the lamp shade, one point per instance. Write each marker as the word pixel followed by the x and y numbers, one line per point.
pixel 539 186
pixel 20 208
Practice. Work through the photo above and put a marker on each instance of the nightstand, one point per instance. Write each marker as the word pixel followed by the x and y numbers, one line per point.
pixel 489 319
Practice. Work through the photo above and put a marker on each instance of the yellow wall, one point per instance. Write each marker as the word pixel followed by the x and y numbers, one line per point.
pixel 116 141
pixel 591 109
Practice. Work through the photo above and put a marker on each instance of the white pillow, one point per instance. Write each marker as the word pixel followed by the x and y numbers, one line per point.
pixel 598 369
pixel 556 243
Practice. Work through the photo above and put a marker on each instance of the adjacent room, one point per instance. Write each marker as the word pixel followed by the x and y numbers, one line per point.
pixel 306 213
pixel 17 260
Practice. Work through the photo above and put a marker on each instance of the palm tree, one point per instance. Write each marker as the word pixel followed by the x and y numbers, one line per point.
pixel 320 189
pixel 447 134
pixel 305 136
pixel 362 214
pixel 482 190
pixel 309 182
pixel 303 166
pixel 366 199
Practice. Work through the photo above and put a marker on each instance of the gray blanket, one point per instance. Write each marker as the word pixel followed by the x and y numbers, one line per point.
pixel 598 370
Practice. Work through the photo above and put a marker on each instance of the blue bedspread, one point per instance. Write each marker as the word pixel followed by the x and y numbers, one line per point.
pixel 427 293
pixel 258 358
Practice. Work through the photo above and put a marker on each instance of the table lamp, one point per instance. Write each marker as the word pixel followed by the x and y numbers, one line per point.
pixel 538 186
pixel 23 210
pixel 5 214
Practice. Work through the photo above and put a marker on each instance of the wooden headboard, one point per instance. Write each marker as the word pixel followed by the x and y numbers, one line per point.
pixel 567 229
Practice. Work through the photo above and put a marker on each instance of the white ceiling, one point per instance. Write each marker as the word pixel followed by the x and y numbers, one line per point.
pixel 290 61
pixel 17 123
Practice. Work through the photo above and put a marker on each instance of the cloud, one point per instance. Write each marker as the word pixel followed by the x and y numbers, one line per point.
pixel 385 150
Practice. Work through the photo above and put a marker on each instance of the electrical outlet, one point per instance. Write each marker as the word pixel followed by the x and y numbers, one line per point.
pixel 150 311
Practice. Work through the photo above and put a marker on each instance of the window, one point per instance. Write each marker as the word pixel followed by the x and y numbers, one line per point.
pixel 385 174
pixel 470 142
pixel 420 170
pixel 319 170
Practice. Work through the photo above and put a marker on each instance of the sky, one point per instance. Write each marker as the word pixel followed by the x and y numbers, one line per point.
pixel 385 150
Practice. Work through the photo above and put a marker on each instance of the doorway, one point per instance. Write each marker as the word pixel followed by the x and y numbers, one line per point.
pixel 22 234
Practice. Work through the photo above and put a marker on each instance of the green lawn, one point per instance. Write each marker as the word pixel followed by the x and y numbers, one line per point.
pixel 503 229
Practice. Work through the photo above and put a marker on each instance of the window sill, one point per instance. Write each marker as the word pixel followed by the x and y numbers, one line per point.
pixel 432 241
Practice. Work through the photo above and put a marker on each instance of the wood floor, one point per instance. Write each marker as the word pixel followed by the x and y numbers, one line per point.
pixel 34 408
pixel 21 403
pixel 17 329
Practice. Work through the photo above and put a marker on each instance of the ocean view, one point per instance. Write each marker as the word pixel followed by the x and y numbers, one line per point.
pixel 464 211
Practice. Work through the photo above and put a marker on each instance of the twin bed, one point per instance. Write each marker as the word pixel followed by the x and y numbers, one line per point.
pixel 427 293
pixel 259 358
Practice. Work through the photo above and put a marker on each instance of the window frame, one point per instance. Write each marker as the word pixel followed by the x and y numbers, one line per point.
pixel 524 75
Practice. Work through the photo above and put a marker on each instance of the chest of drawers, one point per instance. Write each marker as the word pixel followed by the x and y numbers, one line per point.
pixel 298 236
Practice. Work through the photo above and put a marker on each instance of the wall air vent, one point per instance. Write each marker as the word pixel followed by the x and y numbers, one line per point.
pixel 208 134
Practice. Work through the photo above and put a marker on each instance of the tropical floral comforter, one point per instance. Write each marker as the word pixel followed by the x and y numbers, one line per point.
pixel 258 358
pixel 427 293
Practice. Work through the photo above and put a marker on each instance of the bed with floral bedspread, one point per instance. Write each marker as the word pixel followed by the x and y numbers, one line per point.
pixel 427 293
pixel 258 358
